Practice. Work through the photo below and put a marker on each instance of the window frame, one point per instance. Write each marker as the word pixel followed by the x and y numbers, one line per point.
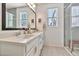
pixel 52 17
pixel 72 25
pixel 9 20
pixel 23 19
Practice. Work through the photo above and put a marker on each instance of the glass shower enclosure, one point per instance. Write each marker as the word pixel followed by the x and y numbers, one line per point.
pixel 71 27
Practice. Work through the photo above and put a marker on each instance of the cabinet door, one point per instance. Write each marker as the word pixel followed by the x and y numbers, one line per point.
pixel 40 43
pixel 11 49
pixel 32 52
pixel 29 46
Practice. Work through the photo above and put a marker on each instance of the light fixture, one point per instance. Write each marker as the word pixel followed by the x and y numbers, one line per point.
pixel 31 5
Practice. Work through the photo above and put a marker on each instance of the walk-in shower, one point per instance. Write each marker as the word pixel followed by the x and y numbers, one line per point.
pixel 71 27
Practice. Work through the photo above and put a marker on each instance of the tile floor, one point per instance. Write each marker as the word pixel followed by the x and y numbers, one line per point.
pixel 54 51
pixel 76 52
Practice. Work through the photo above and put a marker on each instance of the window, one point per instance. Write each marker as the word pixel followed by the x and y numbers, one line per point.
pixel 10 19
pixel 52 17
pixel 75 16
pixel 23 19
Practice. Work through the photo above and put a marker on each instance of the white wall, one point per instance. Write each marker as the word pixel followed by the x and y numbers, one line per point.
pixel 54 36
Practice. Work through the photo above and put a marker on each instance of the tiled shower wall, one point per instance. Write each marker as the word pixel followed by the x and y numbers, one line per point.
pixel 75 31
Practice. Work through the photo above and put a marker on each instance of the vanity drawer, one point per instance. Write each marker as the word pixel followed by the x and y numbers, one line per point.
pixel 32 52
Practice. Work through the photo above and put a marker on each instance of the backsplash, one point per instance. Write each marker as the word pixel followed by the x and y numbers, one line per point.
pixel 4 34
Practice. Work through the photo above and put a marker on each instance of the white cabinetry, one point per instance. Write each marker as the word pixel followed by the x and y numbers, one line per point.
pixel 31 48
pixel 12 49
pixel 36 47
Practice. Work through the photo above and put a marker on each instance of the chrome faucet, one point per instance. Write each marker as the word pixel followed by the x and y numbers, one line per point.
pixel 29 29
pixel 18 33
pixel 24 30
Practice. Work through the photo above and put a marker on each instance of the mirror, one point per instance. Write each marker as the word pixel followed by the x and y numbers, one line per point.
pixel 17 16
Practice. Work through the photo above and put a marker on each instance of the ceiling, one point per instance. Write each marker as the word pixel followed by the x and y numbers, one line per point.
pixel 15 5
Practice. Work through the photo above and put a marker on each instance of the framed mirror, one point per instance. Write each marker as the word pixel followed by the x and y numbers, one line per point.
pixel 16 16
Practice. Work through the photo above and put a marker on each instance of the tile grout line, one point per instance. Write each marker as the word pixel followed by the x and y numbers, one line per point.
pixel 65 52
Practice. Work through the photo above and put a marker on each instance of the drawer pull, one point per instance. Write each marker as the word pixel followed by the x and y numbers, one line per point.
pixel 35 50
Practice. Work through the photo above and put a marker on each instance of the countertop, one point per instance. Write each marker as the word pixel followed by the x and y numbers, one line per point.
pixel 21 39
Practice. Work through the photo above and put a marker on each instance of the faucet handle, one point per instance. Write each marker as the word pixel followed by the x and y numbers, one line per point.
pixel 18 33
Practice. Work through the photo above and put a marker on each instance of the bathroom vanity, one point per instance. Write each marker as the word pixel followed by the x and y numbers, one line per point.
pixel 22 45
pixel 22 17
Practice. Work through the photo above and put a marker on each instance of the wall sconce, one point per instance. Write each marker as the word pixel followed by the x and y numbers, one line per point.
pixel 32 21
pixel 39 20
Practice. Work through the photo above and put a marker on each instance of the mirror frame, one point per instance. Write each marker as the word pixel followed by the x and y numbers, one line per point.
pixel 4 19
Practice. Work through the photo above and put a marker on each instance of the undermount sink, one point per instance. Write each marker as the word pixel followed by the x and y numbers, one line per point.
pixel 28 36
pixel 24 36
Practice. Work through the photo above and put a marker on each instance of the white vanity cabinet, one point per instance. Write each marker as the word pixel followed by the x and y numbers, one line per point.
pixel 11 49
pixel 36 47
pixel 40 44
pixel 32 52
pixel 31 48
